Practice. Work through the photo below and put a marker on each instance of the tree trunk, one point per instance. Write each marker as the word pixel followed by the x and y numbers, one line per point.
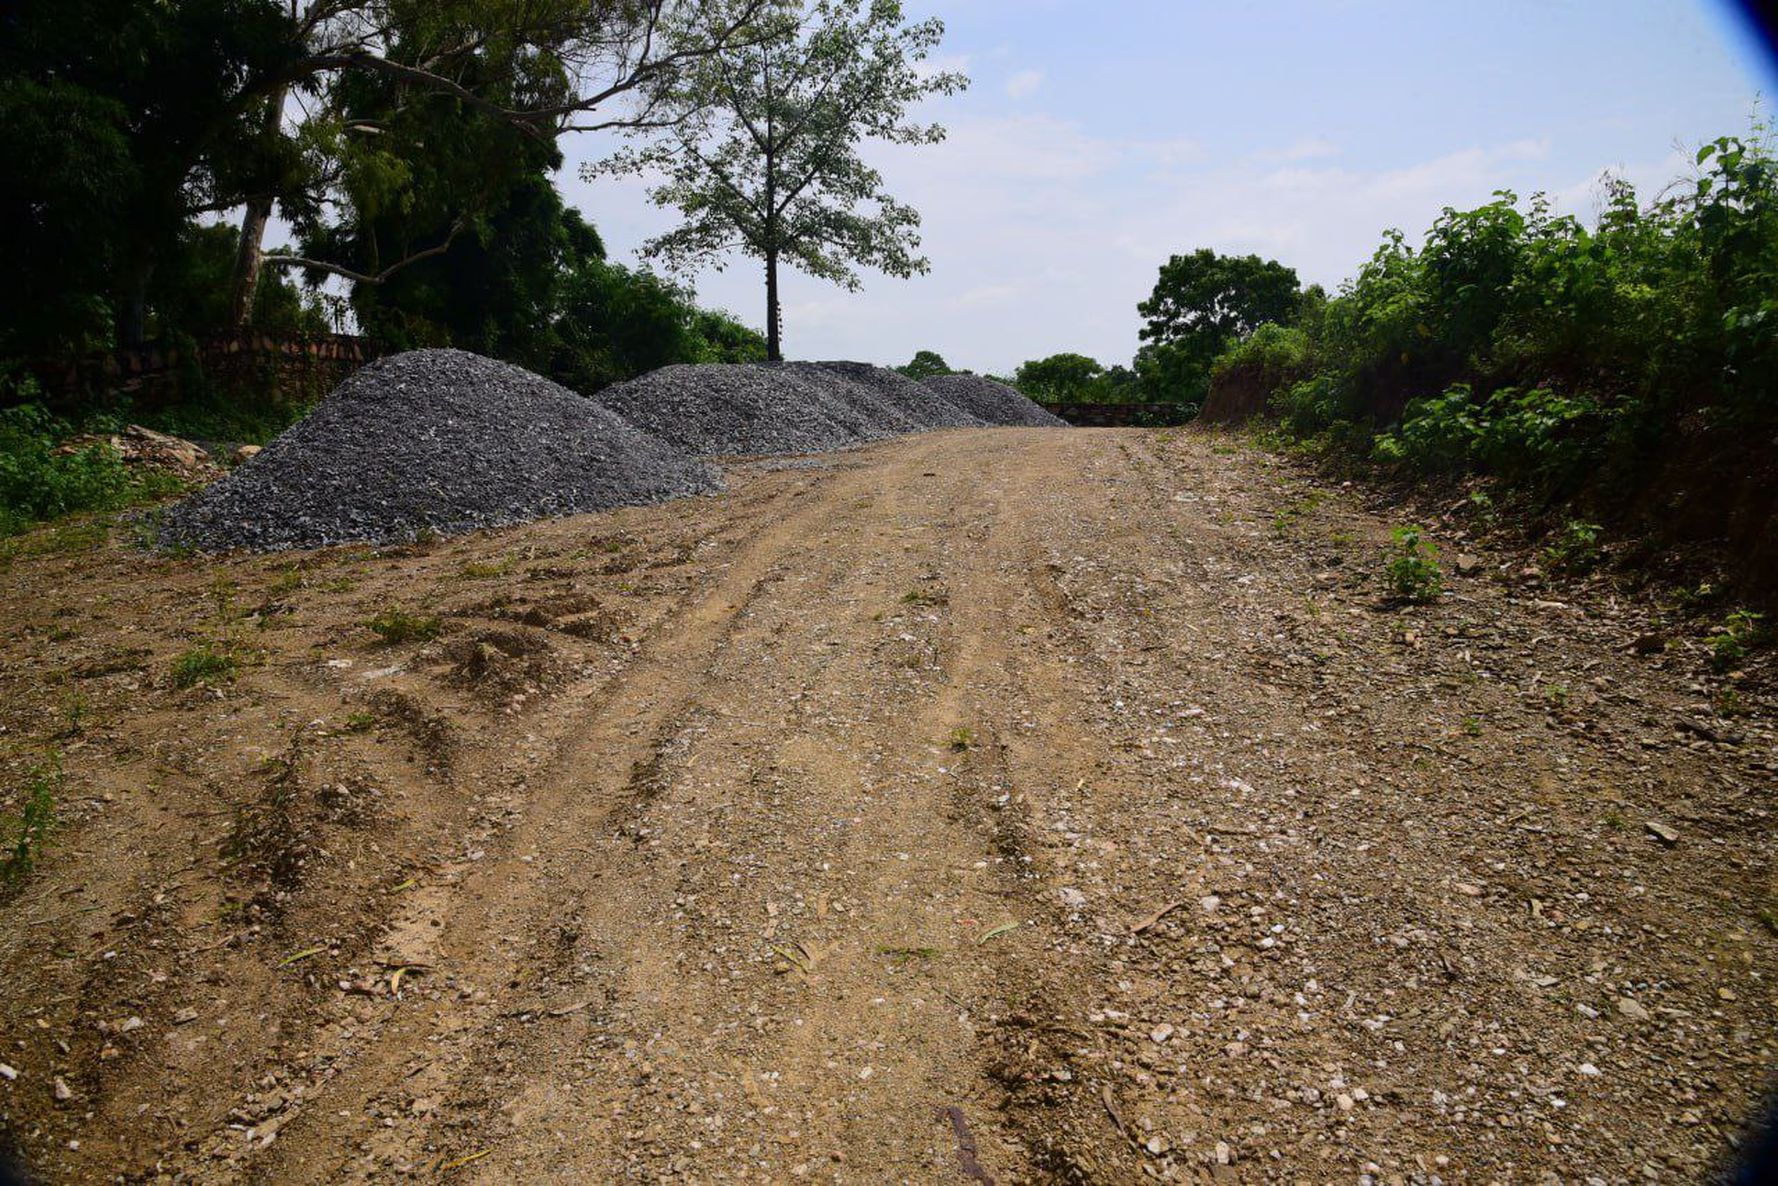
pixel 247 261
pixel 774 345
pixel 245 282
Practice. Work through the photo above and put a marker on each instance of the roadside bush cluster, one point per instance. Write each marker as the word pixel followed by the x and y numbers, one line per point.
pixel 1520 343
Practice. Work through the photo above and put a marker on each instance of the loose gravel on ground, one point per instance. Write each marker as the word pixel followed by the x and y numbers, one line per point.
pixel 438 440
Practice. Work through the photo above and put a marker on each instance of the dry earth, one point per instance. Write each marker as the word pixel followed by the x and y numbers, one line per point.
pixel 1011 806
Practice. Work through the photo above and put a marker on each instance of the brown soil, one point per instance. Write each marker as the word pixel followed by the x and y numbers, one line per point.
pixel 1021 806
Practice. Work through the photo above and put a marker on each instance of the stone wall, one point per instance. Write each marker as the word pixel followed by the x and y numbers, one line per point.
pixel 244 365
pixel 1119 415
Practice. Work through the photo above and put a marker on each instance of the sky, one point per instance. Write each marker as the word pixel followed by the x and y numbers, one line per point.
pixel 1099 137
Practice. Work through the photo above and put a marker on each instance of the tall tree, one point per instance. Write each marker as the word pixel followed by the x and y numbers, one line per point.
pixel 227 105
pixel 1201 303
pixel 766 155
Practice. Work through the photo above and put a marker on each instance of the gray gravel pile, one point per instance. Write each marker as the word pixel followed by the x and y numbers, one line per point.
pixel 993 403
pixel 435 440
pixel 756 408
pixel 894 398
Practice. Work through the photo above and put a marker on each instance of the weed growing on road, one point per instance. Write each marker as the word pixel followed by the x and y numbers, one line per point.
pixel 27 835
pixel 962 738
pixel 1575 548
pixel 1411 571
pixel 1739 633
pixel 396 625
pixel 202 664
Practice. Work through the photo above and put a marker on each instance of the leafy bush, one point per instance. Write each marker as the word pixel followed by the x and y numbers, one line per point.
pixel 1411 569
pixel 1560 359
pixel 37 483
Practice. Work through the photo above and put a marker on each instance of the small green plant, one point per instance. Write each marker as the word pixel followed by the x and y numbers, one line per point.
pixel 359 722
pixel 1740 633
pixel 1557 695
pixel 1472 727
pixel 925 597
pixel 205 663
pixel 1729 703
pixel 1614 820
pixel 962 738
pixel 27 835
pixel 1411 571
pixel 396 625
pixel 477 571
pixel 1575 548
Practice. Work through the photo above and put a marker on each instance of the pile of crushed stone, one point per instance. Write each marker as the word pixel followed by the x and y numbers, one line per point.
pixel 434 440
pixel 754 409
pixel 991 402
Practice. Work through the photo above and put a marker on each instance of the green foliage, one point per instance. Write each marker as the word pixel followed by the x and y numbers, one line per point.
pixel 38 483
pixel 207 662
pixel 1060 378
pixel 1411 571
pixel 1201 305
pixel 1739 634
pixel 26 835
pixel 395 625
pixel 926 364
pixel 1575 547
pixel 1561 359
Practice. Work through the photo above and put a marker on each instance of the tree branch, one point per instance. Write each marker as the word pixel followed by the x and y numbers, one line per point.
pixel 321 265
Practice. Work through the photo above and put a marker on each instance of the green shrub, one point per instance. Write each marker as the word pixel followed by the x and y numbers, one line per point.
pixel 396 625
pixel 1553 355
pixel 1411 569
pixel 1740 633
pixel 37 483
pixel 204 663
pixel 1575 548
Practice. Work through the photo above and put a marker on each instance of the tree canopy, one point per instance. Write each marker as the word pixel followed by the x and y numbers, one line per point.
pixel 1201 303
pixel 765 158
pixel 925 364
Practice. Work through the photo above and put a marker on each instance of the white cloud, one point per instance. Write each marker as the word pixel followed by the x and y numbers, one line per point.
pixel 1024 83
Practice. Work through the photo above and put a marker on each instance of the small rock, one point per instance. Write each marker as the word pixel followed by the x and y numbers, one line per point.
pixel 1634 1010
pixel 61 1090
pixel 1468 890
pixel 1468 565
pixel 245 453
pixel 1072 898
pixel 8 1073
pixel 1587 1068
pixel 1344 1102
pixel 1160 1033
pixel 1662 832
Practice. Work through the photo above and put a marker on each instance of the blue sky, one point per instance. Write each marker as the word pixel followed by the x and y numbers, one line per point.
pixel 1099 138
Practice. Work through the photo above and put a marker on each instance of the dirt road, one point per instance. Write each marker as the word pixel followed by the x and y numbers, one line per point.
pixel 1011 806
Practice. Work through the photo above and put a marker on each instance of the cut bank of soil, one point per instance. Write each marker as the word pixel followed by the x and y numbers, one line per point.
pixel 1068 790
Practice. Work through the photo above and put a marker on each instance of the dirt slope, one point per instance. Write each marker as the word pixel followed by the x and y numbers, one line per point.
pixel 980 806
